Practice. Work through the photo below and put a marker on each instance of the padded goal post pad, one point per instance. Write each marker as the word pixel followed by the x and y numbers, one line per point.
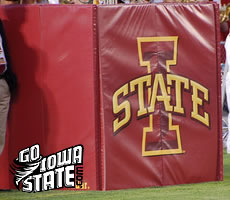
pixel 187 151
pixel 52 54
pixel 78 65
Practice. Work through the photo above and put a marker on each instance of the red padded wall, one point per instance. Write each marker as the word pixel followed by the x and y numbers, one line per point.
pixel 194 25
pixel 51 49
pixel 66 57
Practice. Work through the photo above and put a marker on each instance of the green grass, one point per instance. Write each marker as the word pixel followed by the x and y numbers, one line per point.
pixel 202 191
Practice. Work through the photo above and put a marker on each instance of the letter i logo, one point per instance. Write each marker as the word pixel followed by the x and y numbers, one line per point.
pixel 159 54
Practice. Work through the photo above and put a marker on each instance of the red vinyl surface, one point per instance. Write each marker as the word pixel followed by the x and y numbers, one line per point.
pixel 154 158
pixel 83 69
pixel 53 59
